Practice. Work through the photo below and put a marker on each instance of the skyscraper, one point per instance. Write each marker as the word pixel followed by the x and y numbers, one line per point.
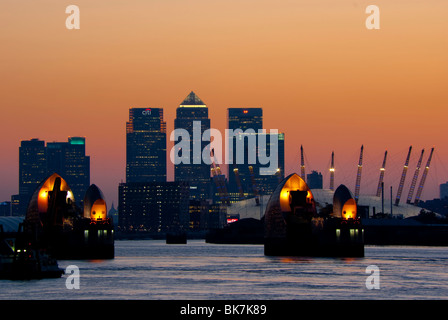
pixel 193 111
pixel 32 170
pixel 239 174
pixel 37 161
pixel 269 181
pixel 69 160
pixel 145 145
pixel 245 118
pixel 32 166
pixel 245 177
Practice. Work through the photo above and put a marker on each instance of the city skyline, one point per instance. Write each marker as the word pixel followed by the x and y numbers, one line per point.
pixel 397 167
pixel 232 158
pixel 314 65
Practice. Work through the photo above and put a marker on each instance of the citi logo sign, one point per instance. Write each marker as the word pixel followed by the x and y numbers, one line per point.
pixel 146 112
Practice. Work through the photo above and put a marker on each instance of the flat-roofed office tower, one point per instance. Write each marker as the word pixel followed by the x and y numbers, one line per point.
pixel 250 121
pixel 245 118
pixel 32 165
pixel 196 172
pixel 145 145
pixel 32 170
pixel 37 161
pixel 69 160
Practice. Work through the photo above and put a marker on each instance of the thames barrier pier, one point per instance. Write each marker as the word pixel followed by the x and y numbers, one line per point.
pixel 56 228
pixel 64 229
pixel 293 227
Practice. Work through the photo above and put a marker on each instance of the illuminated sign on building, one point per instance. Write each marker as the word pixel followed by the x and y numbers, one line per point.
pixel 146 112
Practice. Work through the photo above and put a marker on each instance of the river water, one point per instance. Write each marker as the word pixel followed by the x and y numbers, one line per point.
pixel 152 269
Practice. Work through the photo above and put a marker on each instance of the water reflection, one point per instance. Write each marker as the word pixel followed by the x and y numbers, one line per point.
pixel 153 270
pixel 290 259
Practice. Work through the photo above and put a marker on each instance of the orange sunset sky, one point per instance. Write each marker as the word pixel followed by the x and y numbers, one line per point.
pixel 319 74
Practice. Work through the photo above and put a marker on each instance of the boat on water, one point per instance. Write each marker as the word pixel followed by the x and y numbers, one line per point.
pixel 20 260
pixel 176 237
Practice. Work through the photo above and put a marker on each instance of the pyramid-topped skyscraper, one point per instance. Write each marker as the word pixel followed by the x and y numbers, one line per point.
pixel 192 109
pixel 192 100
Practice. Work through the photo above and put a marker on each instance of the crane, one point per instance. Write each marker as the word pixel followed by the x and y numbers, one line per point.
pixel 254 185
pixel 403 177
pixel 279 175
pixel 358 175
pixel 382 170
pixel 414 179
pixel 332 172
pixel 219 180
pixel 218 184
pixel 238 182
pixel 302 164
pixel 422 180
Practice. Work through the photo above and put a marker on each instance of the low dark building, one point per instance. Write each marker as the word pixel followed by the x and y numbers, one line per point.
pixel 153 207
pixel 436 205
pixel 314 180
pixel 198 212
pixel 244 231
pixel 5 208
